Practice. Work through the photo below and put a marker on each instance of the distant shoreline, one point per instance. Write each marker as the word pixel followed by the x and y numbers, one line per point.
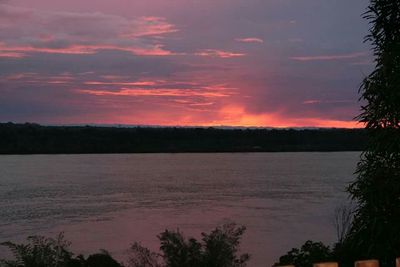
pixel 29 139
pixel 172 153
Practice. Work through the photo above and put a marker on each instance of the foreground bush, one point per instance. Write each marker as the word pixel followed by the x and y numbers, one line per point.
pixel 309 253
pixel 216 249
pixel 39 252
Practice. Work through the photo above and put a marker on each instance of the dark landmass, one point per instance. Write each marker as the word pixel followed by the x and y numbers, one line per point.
pixel 36 139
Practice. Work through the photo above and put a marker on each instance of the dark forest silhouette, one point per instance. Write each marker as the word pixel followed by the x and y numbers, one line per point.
pixel 33 139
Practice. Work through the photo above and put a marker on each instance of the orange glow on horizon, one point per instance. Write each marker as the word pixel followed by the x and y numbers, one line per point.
pixel 186 122
pixel 229 116
pixel 177 102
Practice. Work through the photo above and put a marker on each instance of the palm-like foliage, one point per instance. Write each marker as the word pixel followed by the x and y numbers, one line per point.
pixel 375 232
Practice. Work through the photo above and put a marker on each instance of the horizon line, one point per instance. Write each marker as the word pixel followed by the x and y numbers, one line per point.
pixel 119 125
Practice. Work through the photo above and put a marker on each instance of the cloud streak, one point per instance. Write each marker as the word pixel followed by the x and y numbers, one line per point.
pixel 156 92
pixel 250 40
pixel 219 53
pixel 330 57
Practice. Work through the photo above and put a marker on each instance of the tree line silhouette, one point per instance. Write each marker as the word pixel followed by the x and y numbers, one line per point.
pixel 33 138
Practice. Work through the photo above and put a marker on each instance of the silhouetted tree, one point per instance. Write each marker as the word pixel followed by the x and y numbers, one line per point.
pixel 221 247
pixel 375 224
pixel 375 232
pixel 217 249
pixel 179 252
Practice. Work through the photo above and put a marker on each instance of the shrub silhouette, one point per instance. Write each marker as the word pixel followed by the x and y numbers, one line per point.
pixel 39 252
pixel 309 253
pixel 103 259
pixel 221 247
pixel 48 252
pixel 140 256
pixel 216 249
pixel 179 252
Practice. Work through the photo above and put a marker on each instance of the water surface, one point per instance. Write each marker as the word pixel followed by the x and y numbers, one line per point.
pixel 109 201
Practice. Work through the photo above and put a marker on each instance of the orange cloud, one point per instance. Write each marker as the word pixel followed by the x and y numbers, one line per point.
pixel 236 115
pixel 193 119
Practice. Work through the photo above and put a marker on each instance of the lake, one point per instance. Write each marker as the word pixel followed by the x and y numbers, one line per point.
pixel 110 201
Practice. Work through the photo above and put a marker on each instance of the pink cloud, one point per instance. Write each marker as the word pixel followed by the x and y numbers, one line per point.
pixel 311 102
pixel 141 83
pixel 22 51
pixel 155 50
pixel 218 53
pixel 150 26
pixel 250 40
pixel 26 30
pixel 202 104
pixel 156 92
pixel 11 54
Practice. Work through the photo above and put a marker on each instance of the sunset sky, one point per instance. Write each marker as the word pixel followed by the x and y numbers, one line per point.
pixel 273 63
